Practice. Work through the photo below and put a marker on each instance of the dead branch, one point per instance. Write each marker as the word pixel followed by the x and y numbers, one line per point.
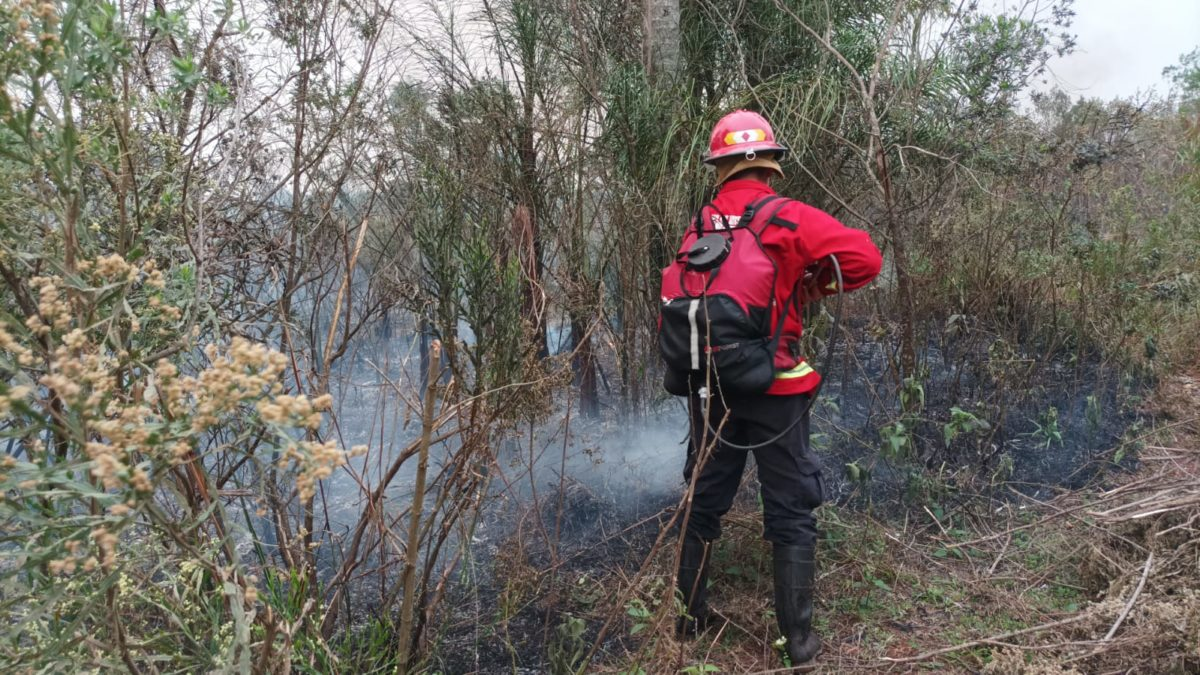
pixel 1132 599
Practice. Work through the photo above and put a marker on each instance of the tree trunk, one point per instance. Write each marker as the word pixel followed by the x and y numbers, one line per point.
pixel 529 257
pixel 585 369
pixel 660 49
pixel 416 508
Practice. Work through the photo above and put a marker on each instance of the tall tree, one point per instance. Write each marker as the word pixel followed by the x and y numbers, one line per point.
pixel 660 47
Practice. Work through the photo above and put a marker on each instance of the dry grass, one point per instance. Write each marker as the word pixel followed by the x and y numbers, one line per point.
pixel 1094 581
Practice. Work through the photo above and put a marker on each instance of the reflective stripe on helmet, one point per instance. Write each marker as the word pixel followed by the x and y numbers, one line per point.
pixel 745 136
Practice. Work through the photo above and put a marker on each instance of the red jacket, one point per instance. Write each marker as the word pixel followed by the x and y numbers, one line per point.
pixel 816 235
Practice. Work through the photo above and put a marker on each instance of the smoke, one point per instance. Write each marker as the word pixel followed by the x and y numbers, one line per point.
pixel 627 464
pixel 622 468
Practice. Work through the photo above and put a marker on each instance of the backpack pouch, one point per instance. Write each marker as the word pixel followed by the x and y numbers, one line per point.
pixel 713 332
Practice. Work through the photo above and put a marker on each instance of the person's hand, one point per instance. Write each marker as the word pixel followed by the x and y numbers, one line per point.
pixel 810 289
pixel 810 285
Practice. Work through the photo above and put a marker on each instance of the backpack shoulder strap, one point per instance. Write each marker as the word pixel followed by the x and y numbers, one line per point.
pixel 754 208
pixel 772 218
pixel 749 217
pixel 780 221
pixel 778 332
pixel 698 220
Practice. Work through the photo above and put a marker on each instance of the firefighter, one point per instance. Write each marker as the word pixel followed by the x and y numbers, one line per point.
pixel 799 240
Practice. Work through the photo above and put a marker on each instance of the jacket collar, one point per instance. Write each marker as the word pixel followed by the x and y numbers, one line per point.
pixel 747 184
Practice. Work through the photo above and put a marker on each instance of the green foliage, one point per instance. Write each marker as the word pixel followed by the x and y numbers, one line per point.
pixel 858 473
pixel 962 422
pixel 897 440
pixel 470 276
pixel 118 419
pixel 780 646
pixel 639 133
pixel 146 203
pixel 1185 75
pixel 1093 414
pixel 640 614
pixel 729 45
pixel 912 396
pixel 1047 431
pixel 927 487
pixel 1004 469
pixel 567 647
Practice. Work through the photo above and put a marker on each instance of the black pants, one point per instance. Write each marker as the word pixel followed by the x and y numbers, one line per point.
pixel 789 473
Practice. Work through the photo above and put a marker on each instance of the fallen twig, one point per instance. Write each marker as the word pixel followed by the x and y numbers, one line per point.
pixel 1000 556
pixel 1132 599
pixel 996 638
pixel 1181 526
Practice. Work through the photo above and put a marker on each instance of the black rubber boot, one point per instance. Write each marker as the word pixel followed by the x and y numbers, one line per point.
pixel 693 586
pixel 795 568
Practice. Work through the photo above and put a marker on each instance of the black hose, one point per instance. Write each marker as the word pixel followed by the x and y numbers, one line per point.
pixel 837 321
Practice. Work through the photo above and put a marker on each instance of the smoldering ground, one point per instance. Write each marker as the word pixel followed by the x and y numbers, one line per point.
pixel 575 498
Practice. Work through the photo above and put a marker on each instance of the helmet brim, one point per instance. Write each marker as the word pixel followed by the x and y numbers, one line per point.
pixel 741 150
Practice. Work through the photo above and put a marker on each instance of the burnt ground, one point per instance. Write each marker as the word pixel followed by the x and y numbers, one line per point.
pixel 571 554
pixel 506 620
pixel 1049 419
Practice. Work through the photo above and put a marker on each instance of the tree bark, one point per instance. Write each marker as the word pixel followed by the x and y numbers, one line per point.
pixel 525 238
pixel 585 369
pixel 413 545
pixel 660 49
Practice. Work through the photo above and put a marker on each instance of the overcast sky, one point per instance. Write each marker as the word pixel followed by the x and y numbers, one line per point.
pixel 1123 46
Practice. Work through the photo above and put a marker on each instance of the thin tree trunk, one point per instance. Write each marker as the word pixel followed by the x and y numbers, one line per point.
pixel 585 370
pixel 525 234
pixel 407 639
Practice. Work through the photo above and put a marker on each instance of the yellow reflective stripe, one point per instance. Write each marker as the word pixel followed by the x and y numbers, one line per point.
pixel 745 136
pixel 800 370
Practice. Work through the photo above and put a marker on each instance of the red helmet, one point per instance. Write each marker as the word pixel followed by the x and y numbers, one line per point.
pixel 742 132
